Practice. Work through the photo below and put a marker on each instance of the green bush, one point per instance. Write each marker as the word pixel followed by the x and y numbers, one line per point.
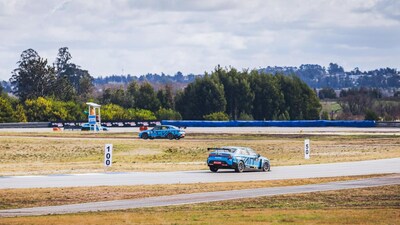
pixel 217 116
pixel 6 111
pixel 114 112
pixel 39 109
pixel 47 109
pixel 371 115
pixel 325 115
pixel 168 114
pixel 59 112
pixel 245 116
pixel 19 114
pixel 141 114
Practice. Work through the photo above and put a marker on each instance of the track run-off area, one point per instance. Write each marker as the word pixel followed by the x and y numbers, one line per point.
pixel 200 197
pixel 390 166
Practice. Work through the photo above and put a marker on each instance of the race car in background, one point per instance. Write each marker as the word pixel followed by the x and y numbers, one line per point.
pixel 163 131
pixel 237 158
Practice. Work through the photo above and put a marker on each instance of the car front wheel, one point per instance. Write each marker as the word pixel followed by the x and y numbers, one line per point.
pixel 266 167
pixel 145 136
pixel 240 167
pixel 170 136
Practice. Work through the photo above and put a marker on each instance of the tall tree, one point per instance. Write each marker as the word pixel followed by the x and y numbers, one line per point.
pixel 166 98
pixel 146 98
pixel 85 85
pixel 115 96
pixel 71 77
pixel 335 69
pixel 132 91
pixel 327 93
pixel 301 102
pixel 33 78
pixel 65 91
pixel 268 99
pixel 200 98
pixel 238 93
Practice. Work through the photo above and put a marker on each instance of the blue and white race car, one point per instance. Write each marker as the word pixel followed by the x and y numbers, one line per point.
pixel 163 131
pixel 237 158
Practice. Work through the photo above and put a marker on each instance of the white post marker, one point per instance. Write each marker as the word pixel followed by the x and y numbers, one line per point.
pixel 108 155
pixel 307 149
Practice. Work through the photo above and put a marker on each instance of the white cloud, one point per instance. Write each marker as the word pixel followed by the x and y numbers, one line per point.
pixel 108 36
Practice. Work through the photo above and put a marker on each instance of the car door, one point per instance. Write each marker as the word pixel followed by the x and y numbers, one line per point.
pixel 156 131
pixel 254 160
pixel 164 131
pixel 244 156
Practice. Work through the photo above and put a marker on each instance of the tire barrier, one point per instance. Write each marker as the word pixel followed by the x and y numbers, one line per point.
pixel 201 123
pixel 125 123
pixel 25 125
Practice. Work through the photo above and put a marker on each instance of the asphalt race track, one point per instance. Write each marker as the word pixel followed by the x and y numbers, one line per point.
pixel 382 166
pixel 248 130
pixel 200 197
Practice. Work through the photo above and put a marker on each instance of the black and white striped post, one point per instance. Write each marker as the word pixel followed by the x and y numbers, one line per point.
pixel 307 149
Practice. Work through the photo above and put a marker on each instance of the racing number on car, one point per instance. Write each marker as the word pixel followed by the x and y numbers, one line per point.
pixel 108 155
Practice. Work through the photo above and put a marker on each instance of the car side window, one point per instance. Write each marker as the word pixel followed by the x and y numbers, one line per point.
pixel 251 152
pixel 243 152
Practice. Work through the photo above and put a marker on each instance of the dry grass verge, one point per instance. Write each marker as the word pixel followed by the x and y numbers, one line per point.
pixel 357 206
pixel 20 198
pixel 44 155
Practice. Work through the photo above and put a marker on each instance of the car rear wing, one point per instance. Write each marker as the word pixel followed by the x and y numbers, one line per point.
pixel 220 149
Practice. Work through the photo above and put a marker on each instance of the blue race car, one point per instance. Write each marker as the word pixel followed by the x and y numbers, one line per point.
pixel 163 131
pixel 237 158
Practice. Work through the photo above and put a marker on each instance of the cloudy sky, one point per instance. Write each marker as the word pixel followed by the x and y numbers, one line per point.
pixel 193 36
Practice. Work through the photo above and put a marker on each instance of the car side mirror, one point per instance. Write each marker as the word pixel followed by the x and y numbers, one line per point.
pixel 258 155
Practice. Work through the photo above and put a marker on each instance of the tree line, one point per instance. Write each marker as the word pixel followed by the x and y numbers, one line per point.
pixel 224 94
pixel 152 78
pixel 248 95
pixel 58 91
pixel 362 103
pixel 334 76
pixel 316 76
pixel 63 80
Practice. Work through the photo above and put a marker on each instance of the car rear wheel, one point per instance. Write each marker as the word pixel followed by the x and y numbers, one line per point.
pixel 145 136
pixel 170 136
pixel 240 167
pixel 213 169
pixel 266 167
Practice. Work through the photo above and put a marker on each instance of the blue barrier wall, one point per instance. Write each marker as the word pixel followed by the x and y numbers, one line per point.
pixel 290 123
